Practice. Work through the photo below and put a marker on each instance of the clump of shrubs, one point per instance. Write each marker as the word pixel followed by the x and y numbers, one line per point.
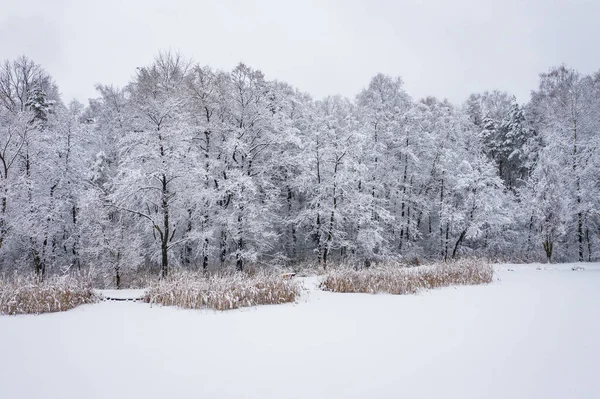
pixel 393 279
pixel 223 291
pixel 29 295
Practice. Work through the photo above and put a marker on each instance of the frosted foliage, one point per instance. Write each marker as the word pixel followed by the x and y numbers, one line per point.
pixel 192 168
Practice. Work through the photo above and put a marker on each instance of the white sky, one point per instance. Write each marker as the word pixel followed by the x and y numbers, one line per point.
pixel 442 48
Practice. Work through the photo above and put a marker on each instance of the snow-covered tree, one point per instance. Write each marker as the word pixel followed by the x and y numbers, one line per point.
pixel 191 167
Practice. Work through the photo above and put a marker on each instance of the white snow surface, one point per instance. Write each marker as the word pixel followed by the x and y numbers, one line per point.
pixel 121 294
pixel 531 334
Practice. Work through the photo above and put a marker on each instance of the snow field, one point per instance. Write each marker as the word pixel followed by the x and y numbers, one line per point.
pixel 530 334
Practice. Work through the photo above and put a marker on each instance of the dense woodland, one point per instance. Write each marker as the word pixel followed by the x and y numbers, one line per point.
pixel 191 167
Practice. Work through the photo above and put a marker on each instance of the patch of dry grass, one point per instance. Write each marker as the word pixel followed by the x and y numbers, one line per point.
pixel 401 281
pixel 223 291
pixel 27 295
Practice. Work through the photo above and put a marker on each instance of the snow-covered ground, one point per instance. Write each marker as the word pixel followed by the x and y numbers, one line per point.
pixel 121 294
pixel 532 334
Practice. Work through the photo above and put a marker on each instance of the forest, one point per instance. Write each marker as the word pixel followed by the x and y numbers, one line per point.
pixel 188 167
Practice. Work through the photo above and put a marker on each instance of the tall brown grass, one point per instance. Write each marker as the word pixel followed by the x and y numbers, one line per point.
pixel 27 295
pixel 392 279
pixel 223 291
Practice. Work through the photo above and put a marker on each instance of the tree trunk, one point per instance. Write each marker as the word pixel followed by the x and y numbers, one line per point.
pixel 205 255
pixel 187 248
pixel 442 253
pixel 239 262
pixel 2 222
pixel 292 233
pixel 578 190
pixel 548 248
pixel 117 277
pixel 580 232
pixel 403 202
pixel 164 271
pixel 223 248
pixel 332 217
pixel 589 245
pixel 529 232
pixel 447 242
pixel 318 239
pixel 458 242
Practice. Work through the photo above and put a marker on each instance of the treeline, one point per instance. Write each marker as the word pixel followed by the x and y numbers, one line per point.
pixel 191 167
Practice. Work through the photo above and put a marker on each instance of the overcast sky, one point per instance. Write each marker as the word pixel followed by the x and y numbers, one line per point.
pixel 442 48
